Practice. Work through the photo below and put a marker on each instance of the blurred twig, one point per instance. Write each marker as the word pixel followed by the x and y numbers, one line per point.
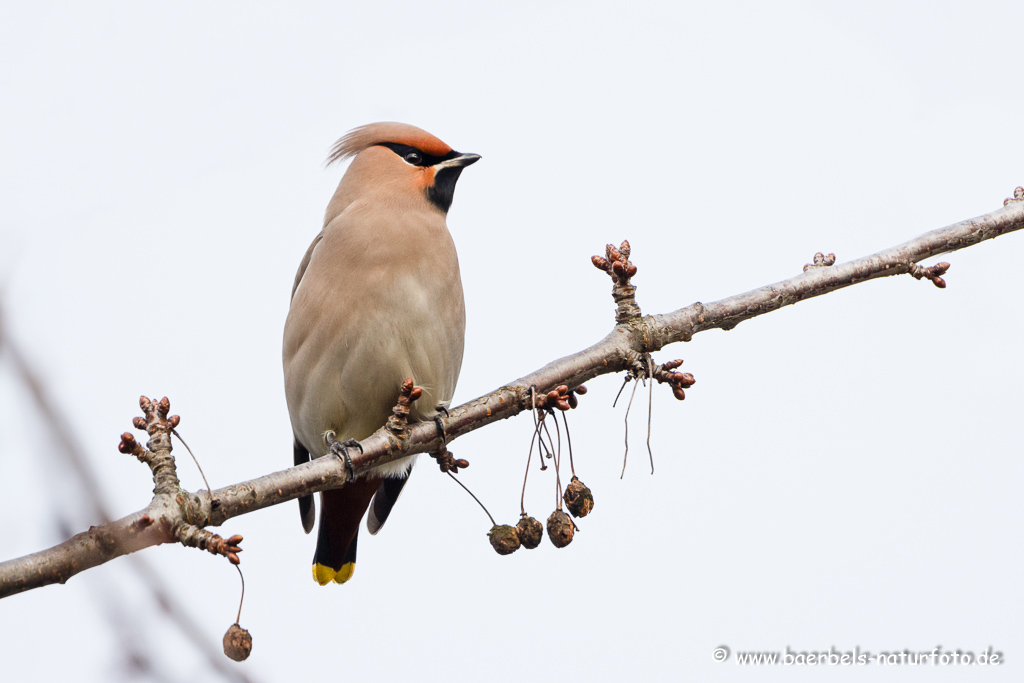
pixel 76 463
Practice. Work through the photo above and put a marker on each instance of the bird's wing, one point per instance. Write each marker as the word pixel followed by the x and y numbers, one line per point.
pixel 385 498
pixel 307 509
pixel 305 264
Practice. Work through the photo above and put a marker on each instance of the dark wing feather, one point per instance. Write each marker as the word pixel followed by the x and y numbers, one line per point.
pixel 307 510
pixel 385 499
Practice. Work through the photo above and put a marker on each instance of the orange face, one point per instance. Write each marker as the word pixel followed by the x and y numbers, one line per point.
pixel 426 178
pixel 414 155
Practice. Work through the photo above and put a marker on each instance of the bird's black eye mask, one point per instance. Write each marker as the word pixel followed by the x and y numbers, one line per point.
pixel 417 157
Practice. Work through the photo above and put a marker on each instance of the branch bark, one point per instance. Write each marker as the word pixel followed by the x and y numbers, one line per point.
pixel 618 351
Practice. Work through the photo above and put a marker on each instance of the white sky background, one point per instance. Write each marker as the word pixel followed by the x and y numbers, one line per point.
pixel 846 472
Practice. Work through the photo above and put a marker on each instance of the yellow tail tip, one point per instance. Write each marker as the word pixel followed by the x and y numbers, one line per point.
pixel 323 574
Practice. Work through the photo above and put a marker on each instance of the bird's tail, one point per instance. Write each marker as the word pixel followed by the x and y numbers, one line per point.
pixel 340 513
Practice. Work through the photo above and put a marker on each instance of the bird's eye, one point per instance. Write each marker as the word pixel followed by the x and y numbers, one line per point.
pixel 413 158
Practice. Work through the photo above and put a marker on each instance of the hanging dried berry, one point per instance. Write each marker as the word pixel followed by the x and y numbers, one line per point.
pixel 578 498
pixel 560 529
pixel 237 643
pixel 504 539
pixel 530 531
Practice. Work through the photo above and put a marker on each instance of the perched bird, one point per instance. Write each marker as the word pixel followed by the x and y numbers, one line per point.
pixel 377 299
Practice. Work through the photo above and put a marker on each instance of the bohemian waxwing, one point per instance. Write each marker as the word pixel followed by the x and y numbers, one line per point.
pixel 377 299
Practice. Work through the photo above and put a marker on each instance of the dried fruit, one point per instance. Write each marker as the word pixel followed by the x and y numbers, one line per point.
pixel 530 531
pixel 560 529
pixel 504 539
pixel 578 498
pixel 237 643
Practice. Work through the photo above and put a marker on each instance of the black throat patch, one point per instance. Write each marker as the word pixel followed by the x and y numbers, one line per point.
pixel 442 192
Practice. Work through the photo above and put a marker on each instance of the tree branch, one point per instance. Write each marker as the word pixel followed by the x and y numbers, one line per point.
pixel 72 459
pixel 633 335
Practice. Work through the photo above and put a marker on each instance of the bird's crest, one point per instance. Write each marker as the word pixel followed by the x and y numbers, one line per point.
pixel 363 137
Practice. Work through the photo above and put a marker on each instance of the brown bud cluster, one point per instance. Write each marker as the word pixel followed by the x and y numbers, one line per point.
pixel 932 273
pixel 561 397
pixel 504 539
pixel 821 261
pixel 158 408
pixel 237 643
pixel 447 462
pixel 560 529
pixel 530 531
pixel 129 446
pixel 666 373
pixel 400 413
pixel 155 418
pixel 228 547
pixel 579 499
pixel 616 262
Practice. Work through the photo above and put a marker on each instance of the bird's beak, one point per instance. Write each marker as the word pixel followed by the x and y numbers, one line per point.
pixel 460 161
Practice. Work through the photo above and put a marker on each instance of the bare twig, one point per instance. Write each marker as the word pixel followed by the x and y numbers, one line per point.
pixel 636 334
pixel 70 452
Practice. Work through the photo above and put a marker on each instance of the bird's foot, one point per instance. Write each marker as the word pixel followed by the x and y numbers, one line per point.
pixel 399 419
pixel 340 449
pixel 444 458
pixel 439 423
